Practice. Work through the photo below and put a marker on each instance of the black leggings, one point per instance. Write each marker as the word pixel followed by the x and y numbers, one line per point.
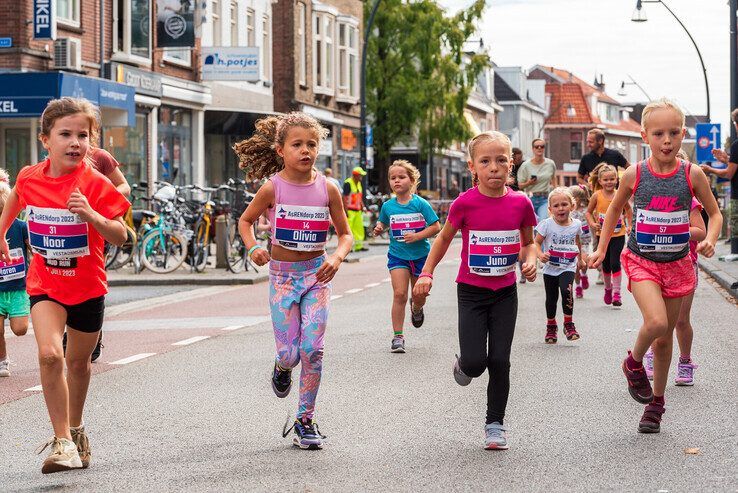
pixel 484 312
pixel 553 284
pixel 611 262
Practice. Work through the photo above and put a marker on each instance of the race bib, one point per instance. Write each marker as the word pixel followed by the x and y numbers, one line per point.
pixel 618 226
pixel 493 253
pixel 301 228
pixel 662 231
pixel 15 269
pixel 56 233
pixel 400 224
pixel 562 255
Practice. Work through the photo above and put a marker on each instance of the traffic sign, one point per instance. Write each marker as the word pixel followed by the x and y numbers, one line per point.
pixel 708 138
pixel 6 42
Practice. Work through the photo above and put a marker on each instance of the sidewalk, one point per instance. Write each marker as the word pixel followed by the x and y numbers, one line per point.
pixel 219 277
pixel 725 273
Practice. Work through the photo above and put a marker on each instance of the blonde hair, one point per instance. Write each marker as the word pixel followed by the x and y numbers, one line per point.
pixel 412 171
pixel 580 194
pixel 66 106
pixel 660 104
pixel 598 134
pixel 488 136
pixel 594 177
pixel 258 154
pixel 562 191
pixel 682 154
pixel 4 187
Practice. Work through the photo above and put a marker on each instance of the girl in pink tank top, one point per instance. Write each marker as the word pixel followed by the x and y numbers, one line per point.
pixel 300 207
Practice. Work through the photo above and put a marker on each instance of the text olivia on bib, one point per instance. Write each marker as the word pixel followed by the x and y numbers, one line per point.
pixel 493 253
pixel 662 231
pixel 301 228
pixel 401 224
pixel 56 233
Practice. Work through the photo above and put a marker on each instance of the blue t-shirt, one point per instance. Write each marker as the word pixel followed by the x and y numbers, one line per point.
pixel 13 276
pixel 414 216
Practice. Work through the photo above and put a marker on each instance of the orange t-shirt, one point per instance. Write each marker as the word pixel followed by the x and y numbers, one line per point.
pixel 68 264
pixel 600 212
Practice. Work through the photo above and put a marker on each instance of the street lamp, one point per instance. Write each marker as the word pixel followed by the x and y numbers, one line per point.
pixel 622 92
pixel 639 15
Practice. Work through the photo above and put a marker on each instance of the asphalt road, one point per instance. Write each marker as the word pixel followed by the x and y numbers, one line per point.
pixel 203 417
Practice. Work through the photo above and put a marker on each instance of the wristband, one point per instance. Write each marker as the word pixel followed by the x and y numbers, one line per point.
pixel 253 249
pixel 425 274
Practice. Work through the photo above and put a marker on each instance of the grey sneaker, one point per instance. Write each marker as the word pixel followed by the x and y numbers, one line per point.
pixel 5 368
pixel 80 439
pixel 461 378
pixel 495 437
pixel 417 317
pixel 398 344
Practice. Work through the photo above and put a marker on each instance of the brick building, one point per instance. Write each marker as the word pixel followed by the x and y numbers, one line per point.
pixel 317 71
pixel 152 106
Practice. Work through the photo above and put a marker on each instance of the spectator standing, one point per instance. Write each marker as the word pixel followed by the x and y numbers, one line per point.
pixel 329 176
pixel 597 154
pixel 517 161
pixel 537 177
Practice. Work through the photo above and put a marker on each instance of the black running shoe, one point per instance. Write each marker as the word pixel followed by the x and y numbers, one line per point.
pixel 98 349
pixel 281 381
pixel 307 435
pixel 418 317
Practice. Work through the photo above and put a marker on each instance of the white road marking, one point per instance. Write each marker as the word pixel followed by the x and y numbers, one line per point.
pixel 387 279
pixel 131 359
pixel 336 297
pixel 37 388
pixel 191 340
pixel 232 327
pixel 355 290
pixel 372 285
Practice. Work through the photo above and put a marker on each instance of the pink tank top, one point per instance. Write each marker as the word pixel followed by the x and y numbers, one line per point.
pixel 300 217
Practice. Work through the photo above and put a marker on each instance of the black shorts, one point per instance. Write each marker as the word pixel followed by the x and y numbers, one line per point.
pixel 84 317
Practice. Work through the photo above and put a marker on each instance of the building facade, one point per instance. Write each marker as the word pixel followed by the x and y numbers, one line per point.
pixel 523 101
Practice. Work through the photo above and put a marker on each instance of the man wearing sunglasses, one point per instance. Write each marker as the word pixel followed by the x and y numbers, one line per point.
pixel 598 154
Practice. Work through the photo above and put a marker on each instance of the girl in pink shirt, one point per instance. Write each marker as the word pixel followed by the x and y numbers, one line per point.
pixel 497 228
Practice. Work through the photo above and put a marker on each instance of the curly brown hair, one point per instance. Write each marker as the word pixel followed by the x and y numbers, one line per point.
pixel 258 156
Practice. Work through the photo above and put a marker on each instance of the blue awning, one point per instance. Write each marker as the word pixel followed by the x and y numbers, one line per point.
pixel 26 94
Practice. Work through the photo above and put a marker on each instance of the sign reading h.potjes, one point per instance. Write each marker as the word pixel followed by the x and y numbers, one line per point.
pixel 234 63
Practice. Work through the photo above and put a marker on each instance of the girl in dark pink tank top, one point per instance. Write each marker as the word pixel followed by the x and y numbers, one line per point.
pixel 300 207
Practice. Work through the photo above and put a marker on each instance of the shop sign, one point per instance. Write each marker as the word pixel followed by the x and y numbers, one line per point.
pixel 349 140
pixel 22 107
pixel 233 63
pixel 6 42
pixel 326 147
pixel 175 23
pixel 144 82
pixel 44 24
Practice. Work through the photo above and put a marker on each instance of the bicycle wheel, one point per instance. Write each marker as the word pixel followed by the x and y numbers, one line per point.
pixel 125 251
pixel 235 249
pixel 163 251
pixel 201 246
pixel 111 252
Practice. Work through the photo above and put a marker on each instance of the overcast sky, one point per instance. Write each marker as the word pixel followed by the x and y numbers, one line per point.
pixel 597 36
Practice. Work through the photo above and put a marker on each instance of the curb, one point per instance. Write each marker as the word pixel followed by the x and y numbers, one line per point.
pixel 726 281
pixel 191 279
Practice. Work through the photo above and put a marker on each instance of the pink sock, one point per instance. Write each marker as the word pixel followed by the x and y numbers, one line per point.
pixel 608 280
pixel 616 278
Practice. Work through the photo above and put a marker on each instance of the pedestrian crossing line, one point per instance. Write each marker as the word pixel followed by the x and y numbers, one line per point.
pixel 232 327
pixel 355 290
pixel 372 285
pixel 191 340
pixel 336 297
pixel 37 388
pixel 131 359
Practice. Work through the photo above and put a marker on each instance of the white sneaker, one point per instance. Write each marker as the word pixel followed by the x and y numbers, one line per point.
pixel 5 368
pixel 63 457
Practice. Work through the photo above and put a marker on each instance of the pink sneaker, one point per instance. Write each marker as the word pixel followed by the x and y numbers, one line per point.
pixel 648 363
pixel 580 293
pixel 685 373
pixel 608 296
pixel 585 282
pixel 616 300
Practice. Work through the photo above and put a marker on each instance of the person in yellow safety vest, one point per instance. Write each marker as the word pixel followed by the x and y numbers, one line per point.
pixel 353 202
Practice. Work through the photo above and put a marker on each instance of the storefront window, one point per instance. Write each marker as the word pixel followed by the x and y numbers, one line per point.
pixel 140 28
pixel 129 147
pixel 17 150
pixel 175 145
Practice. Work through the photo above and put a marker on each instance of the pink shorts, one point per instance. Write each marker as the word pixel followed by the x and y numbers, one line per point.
pixel 676 279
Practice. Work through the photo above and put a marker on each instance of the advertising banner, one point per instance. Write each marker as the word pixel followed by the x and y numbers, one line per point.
pixel 175 23
pixel 233 63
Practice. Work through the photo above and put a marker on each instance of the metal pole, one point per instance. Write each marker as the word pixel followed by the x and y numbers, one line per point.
pixel 102 39
pixel 362 130
pixel 704 70
pixel 733 62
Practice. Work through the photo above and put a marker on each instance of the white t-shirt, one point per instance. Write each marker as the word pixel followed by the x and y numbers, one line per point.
pixel 586 238
pixel 561 244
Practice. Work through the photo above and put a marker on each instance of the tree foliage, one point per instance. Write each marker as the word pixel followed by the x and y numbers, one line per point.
pixel 418 76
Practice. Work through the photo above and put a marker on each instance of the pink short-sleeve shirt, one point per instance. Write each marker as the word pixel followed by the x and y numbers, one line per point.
pixel 490 231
